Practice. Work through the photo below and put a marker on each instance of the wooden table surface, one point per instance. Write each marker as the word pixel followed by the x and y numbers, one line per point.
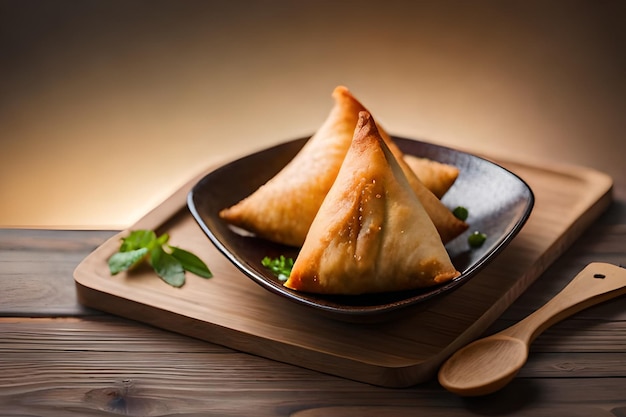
pixel 527 79
pixel 59 358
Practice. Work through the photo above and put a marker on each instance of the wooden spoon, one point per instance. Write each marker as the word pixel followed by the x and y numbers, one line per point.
pixel 486 365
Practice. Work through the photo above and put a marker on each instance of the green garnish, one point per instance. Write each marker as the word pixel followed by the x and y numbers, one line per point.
pixel 476 239
pixel 280 267
pixel 460 213
pixel 169 262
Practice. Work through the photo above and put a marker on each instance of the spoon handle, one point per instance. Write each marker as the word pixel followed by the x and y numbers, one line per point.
pixel 596 283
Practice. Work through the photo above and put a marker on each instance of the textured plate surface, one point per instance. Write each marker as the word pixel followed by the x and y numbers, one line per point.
pixel 499 203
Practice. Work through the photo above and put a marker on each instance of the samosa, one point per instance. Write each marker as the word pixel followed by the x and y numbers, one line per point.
pixel 437 176
pixel 283 209
pixel 371 234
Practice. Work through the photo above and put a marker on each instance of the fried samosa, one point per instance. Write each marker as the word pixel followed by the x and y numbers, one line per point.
pixel 371 234
pixel 436 176
pixel 283 209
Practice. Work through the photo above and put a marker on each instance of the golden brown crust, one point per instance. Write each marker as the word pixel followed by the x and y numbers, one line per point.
pixel 283 209
pixel 436 176
pixel 371 233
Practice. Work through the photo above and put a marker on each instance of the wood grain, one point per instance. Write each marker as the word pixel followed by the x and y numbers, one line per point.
pixel 37 268
pixel 103 366
pixel 231 310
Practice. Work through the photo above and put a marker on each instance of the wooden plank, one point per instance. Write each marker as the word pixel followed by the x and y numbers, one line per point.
pixel 106 366
pixel 231 310
pixel 574 365
pixel 106 338
pixel 37 268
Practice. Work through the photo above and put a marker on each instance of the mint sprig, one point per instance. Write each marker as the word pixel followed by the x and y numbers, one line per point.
pixel 169 262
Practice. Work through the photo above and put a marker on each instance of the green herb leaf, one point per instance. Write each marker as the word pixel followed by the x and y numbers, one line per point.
pixel 162 240
pixel 167 267
pixel 145 245
pixel 280 267
pixel 121 261
pixel 476 239
pixel 137 239
pixel 460 213
pixel 191 262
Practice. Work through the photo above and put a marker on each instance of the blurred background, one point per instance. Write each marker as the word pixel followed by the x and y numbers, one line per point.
pixel 107 107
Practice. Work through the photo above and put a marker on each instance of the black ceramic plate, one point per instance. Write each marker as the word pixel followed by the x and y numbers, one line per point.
pixel 498 201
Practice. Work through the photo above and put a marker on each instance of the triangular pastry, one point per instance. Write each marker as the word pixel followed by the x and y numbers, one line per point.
pixel 371 233
pixel 437 176
pixel 283 209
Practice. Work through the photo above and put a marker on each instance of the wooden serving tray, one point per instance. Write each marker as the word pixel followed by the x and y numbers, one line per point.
pixel 232 310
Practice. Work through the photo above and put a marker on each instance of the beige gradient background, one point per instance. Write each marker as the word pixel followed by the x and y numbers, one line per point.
pixel 107 107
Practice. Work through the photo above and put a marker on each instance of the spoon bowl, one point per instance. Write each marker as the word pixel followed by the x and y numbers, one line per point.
pixel 503 356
